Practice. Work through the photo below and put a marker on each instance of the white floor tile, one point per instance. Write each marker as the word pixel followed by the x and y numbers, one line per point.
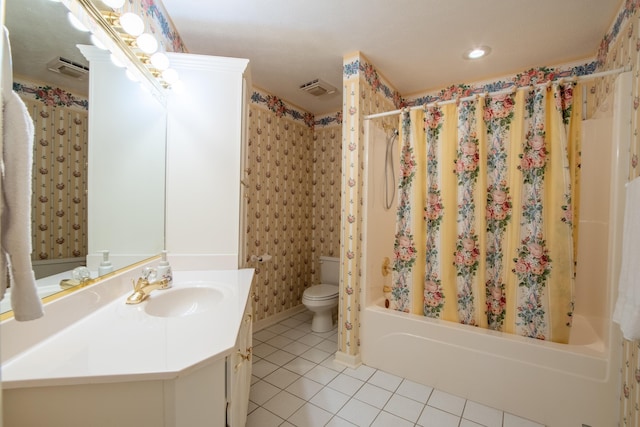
pixel 263 349
pixel 362 372
pixel 304 388
pixel 304 316
pixel 296 348
pixel 254 379
pixel 263 418
pixel 310 416
pixel 315 355
pixel 482 414
pixel 346 384
pixel 415 391
pixel 280 357
pixel 281 378
pixel 300 365
pixel 325 335
pixel 433 417
pixel 328 346
pixel 358 413
pixel 304 327
pixel 339 422
pixel 279 341
pixel 385 419
pixel 291 322
pixel 263 335
pixel 511 420
pixel 278 328
pixel 330 362
pixel 294 334
pixel 251 407
pixel 287 424
pixel 467 423
pixel 284 404
pixel 263 368
pixel 385 380
pixel 329 399
pixel 310 339
pixel 373 395
pixel 447 402
pixel 321 374
pixel 404 407
pixel 261 392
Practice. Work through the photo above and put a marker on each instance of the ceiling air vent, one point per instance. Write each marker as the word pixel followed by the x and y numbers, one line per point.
pixel 318 87
pixel 69 68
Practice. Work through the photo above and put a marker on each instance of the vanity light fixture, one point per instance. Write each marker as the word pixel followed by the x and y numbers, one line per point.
pixel 132 24
pixel 117 62
pixel 160 61
pixel 147 43
pixel 477 53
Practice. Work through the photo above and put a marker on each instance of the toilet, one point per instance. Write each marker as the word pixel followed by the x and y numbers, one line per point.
pixel 323 298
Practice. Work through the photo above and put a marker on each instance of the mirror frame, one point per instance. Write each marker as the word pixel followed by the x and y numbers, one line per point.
pixel 87 12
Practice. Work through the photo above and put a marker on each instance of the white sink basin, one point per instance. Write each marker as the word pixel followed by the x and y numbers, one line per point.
pixel 182 301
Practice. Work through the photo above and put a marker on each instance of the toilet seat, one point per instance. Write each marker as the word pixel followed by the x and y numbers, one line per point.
pixel 320 292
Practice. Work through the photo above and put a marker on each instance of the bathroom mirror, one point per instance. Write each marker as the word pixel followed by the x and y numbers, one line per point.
pixel 125 163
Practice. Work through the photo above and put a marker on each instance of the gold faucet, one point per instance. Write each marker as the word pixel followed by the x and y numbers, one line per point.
pixel 146 284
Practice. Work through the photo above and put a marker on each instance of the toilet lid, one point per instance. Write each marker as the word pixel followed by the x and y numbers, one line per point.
pixel 321 292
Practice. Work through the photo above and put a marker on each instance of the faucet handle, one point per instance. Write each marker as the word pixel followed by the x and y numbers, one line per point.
pixel 149 274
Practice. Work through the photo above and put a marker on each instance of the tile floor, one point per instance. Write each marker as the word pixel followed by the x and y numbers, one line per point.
pixel 295 382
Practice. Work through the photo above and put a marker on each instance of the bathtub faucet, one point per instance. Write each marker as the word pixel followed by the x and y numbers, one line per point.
pixel 146 284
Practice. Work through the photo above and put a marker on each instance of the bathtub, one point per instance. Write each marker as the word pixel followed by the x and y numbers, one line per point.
pixel 552 384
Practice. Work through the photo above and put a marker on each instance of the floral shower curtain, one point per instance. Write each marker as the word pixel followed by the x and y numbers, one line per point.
pixel 486 219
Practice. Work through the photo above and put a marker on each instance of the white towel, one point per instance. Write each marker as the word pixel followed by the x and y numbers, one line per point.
pixel 627 311
pixel 17 154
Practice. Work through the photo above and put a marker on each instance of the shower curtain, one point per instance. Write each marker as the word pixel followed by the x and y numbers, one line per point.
pixel 486 215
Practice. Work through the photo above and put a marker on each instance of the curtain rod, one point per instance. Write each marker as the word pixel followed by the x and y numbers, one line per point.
pixel 509 90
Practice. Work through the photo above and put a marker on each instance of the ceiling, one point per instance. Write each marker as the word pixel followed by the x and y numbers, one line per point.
pixel 417 45
pixel 39 32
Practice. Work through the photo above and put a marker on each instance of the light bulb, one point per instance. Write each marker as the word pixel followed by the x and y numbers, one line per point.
pixel 75 22
pixel 170 76
pixel 160 61
pixel 97 43
pixel 116 61
pixel 132 24
pixel 114 4
pixel 147 43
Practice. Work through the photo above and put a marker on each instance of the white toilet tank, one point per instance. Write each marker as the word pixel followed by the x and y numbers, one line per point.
pixel 329 270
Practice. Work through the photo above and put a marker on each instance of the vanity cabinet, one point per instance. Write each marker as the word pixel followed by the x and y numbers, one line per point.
pixel 239 373
pixel 118 366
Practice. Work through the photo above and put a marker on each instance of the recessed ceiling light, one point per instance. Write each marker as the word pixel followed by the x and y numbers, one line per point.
pixel 477 53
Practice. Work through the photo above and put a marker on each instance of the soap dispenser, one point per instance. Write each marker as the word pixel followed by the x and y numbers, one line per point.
pixel 164 268
pixel 105 265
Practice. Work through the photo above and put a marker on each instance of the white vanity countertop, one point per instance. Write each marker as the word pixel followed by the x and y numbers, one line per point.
pixel 120 342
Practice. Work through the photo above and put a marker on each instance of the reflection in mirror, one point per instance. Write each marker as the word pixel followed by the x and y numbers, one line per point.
pixel 98 154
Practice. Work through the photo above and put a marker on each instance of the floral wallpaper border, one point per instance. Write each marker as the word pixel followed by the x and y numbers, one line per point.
pixel 628 10
pixel 51 96
pixel 281 108
pixel 525 78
